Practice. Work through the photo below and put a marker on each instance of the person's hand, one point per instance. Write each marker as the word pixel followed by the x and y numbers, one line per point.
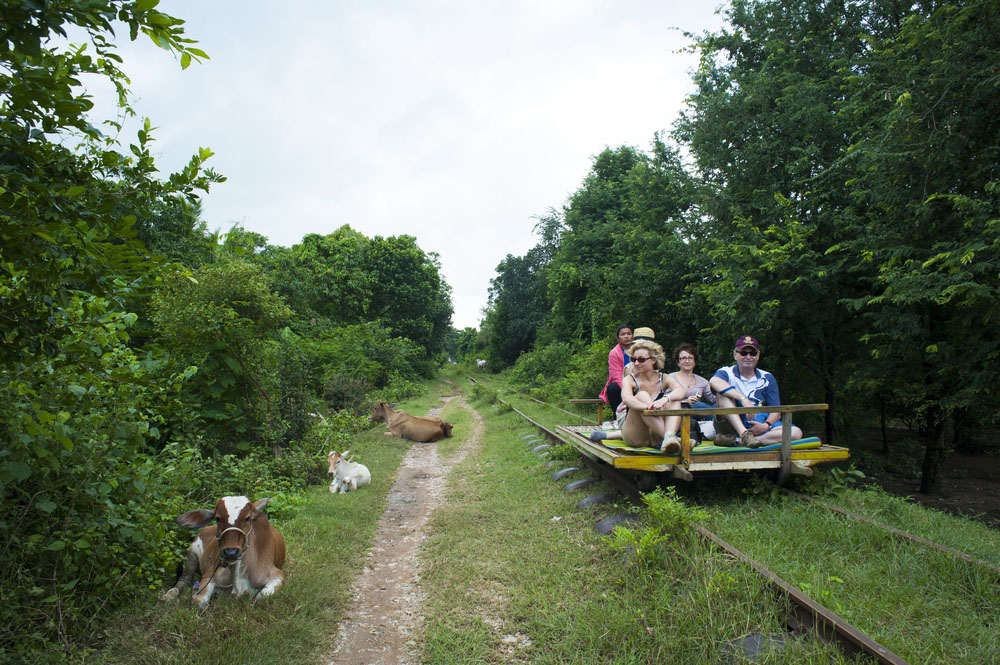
pixel 693 399
pixel 759 428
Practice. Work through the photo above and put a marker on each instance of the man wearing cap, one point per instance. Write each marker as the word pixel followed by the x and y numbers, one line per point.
pixel 745 385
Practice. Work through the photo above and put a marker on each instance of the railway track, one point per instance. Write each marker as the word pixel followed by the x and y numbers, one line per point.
pixel 805 615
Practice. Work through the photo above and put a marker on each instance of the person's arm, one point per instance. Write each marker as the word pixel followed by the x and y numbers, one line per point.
pixel 629 386
pixel 705 389
pixel 616 363
pixel 672 396
pixel 771 397
pixel 723 388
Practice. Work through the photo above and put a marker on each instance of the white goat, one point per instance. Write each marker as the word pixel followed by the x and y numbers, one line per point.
pixel 347 475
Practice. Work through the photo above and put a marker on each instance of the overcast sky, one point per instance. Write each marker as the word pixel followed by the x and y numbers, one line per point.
pixel 455 122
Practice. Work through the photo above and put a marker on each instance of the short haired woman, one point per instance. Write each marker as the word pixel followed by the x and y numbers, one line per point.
pixel 697 392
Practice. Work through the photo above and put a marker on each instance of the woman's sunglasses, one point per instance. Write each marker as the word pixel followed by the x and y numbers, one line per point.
pixel 639 361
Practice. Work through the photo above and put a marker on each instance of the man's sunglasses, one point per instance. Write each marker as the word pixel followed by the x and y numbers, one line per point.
pixel 747 352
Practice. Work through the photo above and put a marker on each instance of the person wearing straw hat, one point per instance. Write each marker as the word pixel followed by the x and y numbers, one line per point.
pixel 641 334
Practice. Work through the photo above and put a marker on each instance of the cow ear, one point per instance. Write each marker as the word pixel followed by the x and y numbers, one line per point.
pixel 195 519
pixel 346 453
pixel 393 405
pixel 259 504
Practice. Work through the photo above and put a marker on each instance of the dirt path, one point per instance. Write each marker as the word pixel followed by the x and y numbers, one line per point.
pixel 383 623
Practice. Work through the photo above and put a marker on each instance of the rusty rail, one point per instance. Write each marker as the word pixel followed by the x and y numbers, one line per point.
pixel 810 615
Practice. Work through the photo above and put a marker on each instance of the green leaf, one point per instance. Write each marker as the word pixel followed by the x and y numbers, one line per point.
pixel 46 506
pixel 79 391
pixel 145 5
pixel 19 470
pixel 56 546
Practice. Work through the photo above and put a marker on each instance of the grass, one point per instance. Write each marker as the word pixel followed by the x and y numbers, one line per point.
pixel 927 606
pixel 327 541
pixel 514 573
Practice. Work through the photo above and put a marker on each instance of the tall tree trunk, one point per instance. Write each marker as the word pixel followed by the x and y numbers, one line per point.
pixel 883 421
pixel 934 450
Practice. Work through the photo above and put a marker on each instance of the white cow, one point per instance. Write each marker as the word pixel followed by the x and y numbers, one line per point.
pixel 480 363
pixel 347 476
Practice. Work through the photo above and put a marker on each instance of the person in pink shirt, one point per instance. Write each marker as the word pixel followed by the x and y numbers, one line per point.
pixel 617 358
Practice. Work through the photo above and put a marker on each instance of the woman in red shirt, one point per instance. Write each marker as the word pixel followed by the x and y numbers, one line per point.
pixel 617 358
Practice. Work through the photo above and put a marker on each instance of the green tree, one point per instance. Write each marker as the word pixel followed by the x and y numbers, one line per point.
pixel 177 232
pixel 77 406
pixel 225 321
pixel 622 255
pixel 517 307
pixel 323 277
pixel 766 137
pixel 406 292
pixel 926 216
pixel 583 269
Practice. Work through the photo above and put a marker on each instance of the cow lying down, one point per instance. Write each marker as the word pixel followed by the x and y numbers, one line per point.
pixel 347 476
pixel 414 428
pixel 241 552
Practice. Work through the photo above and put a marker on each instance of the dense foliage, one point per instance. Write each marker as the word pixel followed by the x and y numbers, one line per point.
pixel 147 365
pixel 840 204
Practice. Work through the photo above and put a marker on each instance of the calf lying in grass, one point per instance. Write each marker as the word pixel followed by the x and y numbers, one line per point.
pixel 347 475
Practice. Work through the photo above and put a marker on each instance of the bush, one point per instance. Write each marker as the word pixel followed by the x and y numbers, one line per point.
pixel 83 497
pixel 227 322
pixel 558 372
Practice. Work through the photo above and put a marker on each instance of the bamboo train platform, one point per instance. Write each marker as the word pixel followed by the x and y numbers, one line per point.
pixel 789 457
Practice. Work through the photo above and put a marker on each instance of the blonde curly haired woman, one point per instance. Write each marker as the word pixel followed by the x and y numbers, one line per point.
pixel 647 387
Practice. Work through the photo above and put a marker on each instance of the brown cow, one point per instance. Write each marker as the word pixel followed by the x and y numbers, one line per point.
pixel 414 428
pixel 241 551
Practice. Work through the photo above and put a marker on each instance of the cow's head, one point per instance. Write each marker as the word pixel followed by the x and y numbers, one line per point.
pixel 234 518
pixel 381 412
pixel 334 459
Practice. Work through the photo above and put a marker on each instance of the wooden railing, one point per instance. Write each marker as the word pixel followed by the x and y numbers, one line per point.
pixel 786 411
pixel 598 402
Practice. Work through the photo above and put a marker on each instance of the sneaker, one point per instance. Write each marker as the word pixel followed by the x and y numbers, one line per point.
pixel 749 440
pixel 671 444
pixel 725 440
